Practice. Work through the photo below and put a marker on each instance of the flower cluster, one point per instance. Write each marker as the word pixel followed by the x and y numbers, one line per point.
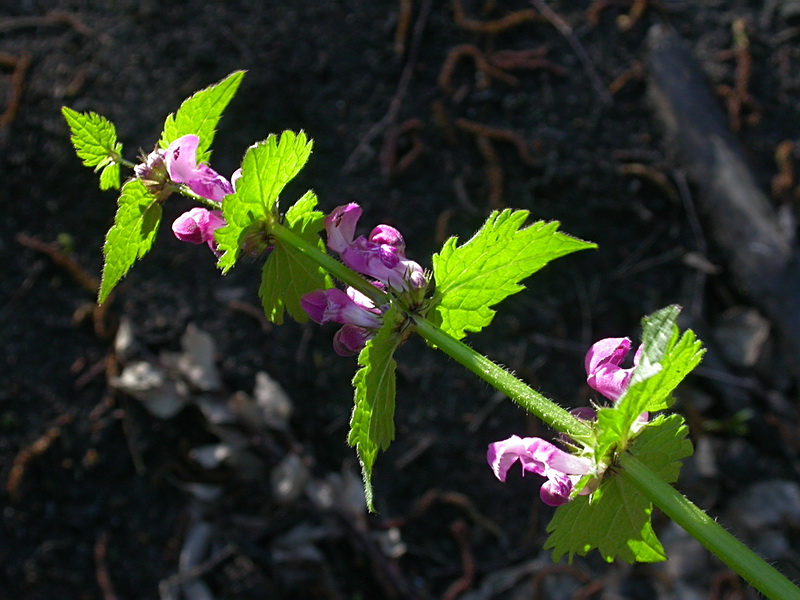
pixel 177 164
pixel 562 470
pixel 381 257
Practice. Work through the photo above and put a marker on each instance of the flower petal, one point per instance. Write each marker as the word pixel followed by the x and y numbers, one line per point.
pixel 609 350
pixel 351 339
pixel 556 490
pixel 340 226
pixel 197 225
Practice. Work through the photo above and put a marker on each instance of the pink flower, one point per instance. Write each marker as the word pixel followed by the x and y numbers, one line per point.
pixel 340 226
pixel 334 305
pixel 603 371
pixel 353 309
pixel 181 161
pixel 197 226
pixel 561 469
pixel 380 256
pixel 604 374
pixel 351 339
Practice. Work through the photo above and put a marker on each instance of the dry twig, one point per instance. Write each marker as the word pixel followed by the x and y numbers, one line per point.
pixel 740 103
pixel 403 25
pixel 19 66
pixel 783 181
pixel 460 533
pixel 456 53
pixel 565 30
pixel 101 570
pixel 391 164
pixel 362 148
pixel 624 22
pixel 500 134
pixel 24 457
pixel 497 25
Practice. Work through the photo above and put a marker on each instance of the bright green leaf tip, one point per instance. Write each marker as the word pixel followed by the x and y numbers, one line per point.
pixel 488 268
pixel 95 141
pixel 266 169
pixel 132 235
pixel 200 113
pixel 372 420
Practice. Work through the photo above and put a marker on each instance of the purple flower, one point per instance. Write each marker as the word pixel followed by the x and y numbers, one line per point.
pixel 351 339
pixel 334 305
pixel 381 255
pixel 603 371
pixel 560 468
pixel 604 374
pixel 351 308
pixel 181 161
pixel 341 226
pixel 197 226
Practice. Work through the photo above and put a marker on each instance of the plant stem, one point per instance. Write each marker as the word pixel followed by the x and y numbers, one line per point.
pixel 708 532
pixel 496 376
pixel 699 525
pixel 536 404
pixel 330 264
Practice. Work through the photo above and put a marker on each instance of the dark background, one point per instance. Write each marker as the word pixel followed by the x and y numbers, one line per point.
pixel 96 497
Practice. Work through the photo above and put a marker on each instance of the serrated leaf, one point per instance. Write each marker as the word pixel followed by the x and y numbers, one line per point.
pixel 266 169
pixel 110 176
pixel 132 235
pixel 372 421
pixel 200 113
pixel 95 141
pixel 488 268
pixel 288 274
pixel 616 518
pixel 667 357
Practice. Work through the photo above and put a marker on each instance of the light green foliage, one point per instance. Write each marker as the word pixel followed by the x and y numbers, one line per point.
pixel 95 141
pixel 615 519
pixel 667 357
pixel 372 421
pixel 266 169
pixel 288 274
pixel 200 113
pixel 472 278
pixel 131 236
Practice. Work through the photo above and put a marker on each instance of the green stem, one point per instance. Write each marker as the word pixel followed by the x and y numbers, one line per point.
pixel 708 532
pixel 185 191
pixel 330 264
pixel 536 404
pixel 125 163
pixel 496 376
pixel 721 543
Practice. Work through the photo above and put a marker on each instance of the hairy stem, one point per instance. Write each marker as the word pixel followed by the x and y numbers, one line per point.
pixel 330 264
pixel 708 532
pixel 496 376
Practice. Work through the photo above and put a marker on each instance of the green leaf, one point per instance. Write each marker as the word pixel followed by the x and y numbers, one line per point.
pixel 472 278
pixel 266 169
pixel 200 113
pixel 615 519
pixel 95 141
pixel 131 236
pixel 667 357
pixel 288 274
pixel 372 421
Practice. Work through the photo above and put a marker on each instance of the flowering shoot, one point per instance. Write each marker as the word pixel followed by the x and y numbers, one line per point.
pixel 562 470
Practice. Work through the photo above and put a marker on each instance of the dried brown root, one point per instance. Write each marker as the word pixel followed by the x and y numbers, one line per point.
pixel 492 27
pixel 481 63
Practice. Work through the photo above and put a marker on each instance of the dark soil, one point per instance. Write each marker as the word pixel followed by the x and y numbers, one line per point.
pixel 96 497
